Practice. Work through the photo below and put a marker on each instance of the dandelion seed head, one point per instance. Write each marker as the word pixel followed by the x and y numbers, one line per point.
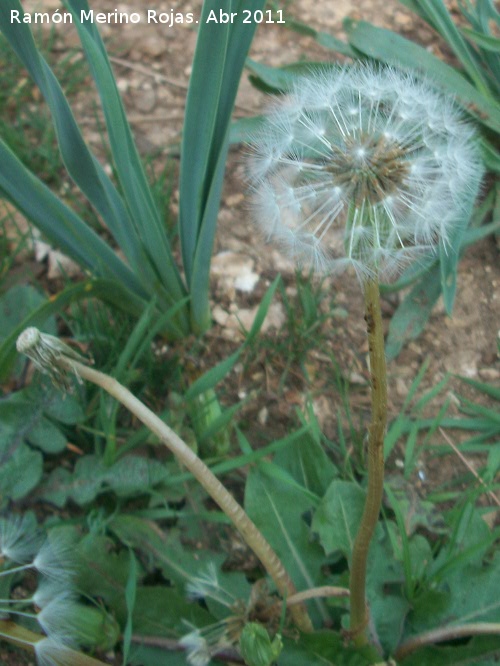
pixel 48 353
pixel 364 167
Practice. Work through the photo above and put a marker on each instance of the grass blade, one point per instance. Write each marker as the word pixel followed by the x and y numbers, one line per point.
pixel 392 49
pixel 140 203
pixel 81 164
pixel 218 62
pixel 410 318
pixel 59 223
pixel 436 14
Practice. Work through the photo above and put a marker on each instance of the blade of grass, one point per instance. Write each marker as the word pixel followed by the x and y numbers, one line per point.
pixel 199 127
pixel 487 42
pixel 490 390
pixel 60 224
pixel 323 38
pixel 405 546
pixel 436 14
pixel 81 164
pixel 280 79
pixel 393 49
pixel 130 590
pixel 140 202
pixel 218 63
pixel 246 459
pixel 218 372
pixel 471 469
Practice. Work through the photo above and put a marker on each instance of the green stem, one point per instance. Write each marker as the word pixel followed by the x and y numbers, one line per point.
pixel 376 432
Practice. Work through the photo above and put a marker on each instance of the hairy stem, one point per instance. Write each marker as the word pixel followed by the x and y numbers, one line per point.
pixel 446 634
pixel 376 431
pixel 248 530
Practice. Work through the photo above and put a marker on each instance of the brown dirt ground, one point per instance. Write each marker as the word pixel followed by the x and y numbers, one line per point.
pixel 152 66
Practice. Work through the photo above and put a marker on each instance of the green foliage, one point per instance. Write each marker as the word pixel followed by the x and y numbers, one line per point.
pixel 487 421
pixel 130 212
pixel 256 647
pixel 337 517
pixel 32 421
pixel 17 305
pixel 417 579
pixel 481 649
pixel 323 648
pixel 277 504
pixel 24 124
pixel 218 62
pixel 141 533
pixel 129 476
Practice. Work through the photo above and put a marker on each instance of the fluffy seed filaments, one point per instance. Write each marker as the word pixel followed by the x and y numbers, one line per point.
pixel 362 167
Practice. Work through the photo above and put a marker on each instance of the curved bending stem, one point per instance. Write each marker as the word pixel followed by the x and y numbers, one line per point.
pixel 376 431
pixel 248 530
pixel 446 634
pixel 51 356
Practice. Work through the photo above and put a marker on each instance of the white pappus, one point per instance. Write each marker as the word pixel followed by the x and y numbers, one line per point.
pixel 362 166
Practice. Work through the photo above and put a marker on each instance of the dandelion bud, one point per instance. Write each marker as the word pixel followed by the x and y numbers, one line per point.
pixel 365 167
pixel 256 647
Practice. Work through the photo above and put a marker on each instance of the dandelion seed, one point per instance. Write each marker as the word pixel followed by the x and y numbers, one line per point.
pixel 197 648
pixel 48 590
pixel 55 559
pixel 363 167
pixel 58 619
pixel 18 540
pixel 66 623
pixel 53 652
pixel 206 584
pixel 202 644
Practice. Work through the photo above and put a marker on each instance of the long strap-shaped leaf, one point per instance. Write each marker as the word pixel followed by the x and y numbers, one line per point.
pixel 219 58
pixel 393 49
pixel 143 210
pixel 59 223
pixel 436 14
pixel 83 167
pixel 199 125
pixel 81 164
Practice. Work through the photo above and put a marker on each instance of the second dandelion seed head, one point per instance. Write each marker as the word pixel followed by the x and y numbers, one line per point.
pixel 362 166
